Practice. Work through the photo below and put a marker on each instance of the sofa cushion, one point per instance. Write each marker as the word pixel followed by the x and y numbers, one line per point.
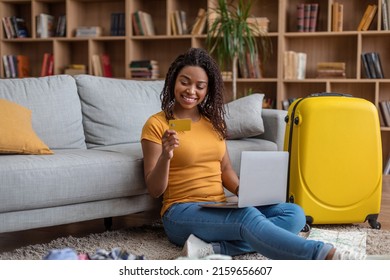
pixel 55 106
pixel 70 176
pixel 243 117
pixel 17 134
pixel 114 111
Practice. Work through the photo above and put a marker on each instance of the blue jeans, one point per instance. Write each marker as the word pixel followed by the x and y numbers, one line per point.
pixel 269 230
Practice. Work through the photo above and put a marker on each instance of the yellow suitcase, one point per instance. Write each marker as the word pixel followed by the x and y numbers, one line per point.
pixel 335 165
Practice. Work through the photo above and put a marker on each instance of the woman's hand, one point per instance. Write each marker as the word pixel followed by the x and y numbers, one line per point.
pixel 170 141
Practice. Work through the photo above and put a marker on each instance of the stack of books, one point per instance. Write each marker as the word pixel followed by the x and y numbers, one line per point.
pixel 75 69
pixel 178 23
pixel 143 23
pixel 307 17
pixel 331 70
pixel 144 69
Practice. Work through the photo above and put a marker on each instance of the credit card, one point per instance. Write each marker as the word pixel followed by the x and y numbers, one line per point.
pixel 180 124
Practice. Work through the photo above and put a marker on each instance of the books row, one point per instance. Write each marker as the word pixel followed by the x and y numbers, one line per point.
pixel 101 65
pixel 144 69
pixel 384 108
pixel 200 22
pixel 294 65
pixel 250 68
pixel 15 27
pixel 337 16
pixel 142 23
pixel 50 26
pixel 117 27
pixel 16 66
pixel 178 23
pixel 367 17
pixel 307 17
pixel 371 64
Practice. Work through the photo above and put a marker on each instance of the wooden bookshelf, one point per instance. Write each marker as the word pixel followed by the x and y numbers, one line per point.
pixel 320 46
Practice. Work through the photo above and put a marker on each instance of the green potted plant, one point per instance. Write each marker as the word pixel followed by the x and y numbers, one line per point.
pixel 232 38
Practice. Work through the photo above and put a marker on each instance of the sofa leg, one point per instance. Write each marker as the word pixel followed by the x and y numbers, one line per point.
pixel 108 223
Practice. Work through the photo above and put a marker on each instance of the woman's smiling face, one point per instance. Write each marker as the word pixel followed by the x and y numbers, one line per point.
pixel 190 87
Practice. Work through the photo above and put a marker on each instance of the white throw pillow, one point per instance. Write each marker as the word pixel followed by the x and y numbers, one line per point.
pixel 243 116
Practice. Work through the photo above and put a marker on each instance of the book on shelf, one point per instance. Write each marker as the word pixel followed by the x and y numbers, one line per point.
pixel 371 65
pixel 368 17
pixel 47 67
pixel 75 69
pixel 88 31
pixel 337 16
pixel 23 66
pixel 45 25
pixel 200 22
pixel 386 168
pixel 179 22
pixel 143 23
pixel 117 24
pixel 101 65
pixel 61 26
pixel 250 67
pixel 385 15
pixel 384 108
pixel 7 69
pixel 144 69
pixel 294 65
pixel 106 65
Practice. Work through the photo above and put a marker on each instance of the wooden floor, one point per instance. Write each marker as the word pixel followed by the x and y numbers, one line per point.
pixel 13 240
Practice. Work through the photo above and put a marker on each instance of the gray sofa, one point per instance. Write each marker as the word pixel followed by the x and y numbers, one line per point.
pixel 93 125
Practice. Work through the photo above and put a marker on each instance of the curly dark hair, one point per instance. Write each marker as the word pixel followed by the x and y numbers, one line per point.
pixel 213 105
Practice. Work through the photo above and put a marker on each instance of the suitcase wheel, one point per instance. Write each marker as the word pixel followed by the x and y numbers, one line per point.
pixel 306 228
pixel 375 224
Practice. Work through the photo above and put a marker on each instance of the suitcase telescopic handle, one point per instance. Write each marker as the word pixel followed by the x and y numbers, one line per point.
pixel 330 94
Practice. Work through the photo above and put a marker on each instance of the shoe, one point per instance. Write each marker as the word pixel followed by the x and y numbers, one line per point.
pixel 196 248
pixel 351 255
pixel 348 255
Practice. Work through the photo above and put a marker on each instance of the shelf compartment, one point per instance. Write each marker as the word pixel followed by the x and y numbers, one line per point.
pixel 162 50
pixel 34 50
pixel 99 14
pixel 326 48
pixel 248 86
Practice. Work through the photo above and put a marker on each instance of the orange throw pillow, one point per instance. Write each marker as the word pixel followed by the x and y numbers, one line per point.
pixel 16 133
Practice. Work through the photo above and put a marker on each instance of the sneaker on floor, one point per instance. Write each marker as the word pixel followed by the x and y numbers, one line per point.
pixel 348 255
pixel 351 255
pixel 196 248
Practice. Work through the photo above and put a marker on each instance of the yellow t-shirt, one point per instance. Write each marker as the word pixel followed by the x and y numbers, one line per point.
pixel 195 169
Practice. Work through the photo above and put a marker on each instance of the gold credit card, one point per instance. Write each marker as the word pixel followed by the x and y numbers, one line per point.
pixel 180 124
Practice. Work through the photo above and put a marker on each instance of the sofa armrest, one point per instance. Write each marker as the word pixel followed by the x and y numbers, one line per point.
pixel 274 126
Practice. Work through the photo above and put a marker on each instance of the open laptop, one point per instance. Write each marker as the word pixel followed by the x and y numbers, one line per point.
pixel 263 180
